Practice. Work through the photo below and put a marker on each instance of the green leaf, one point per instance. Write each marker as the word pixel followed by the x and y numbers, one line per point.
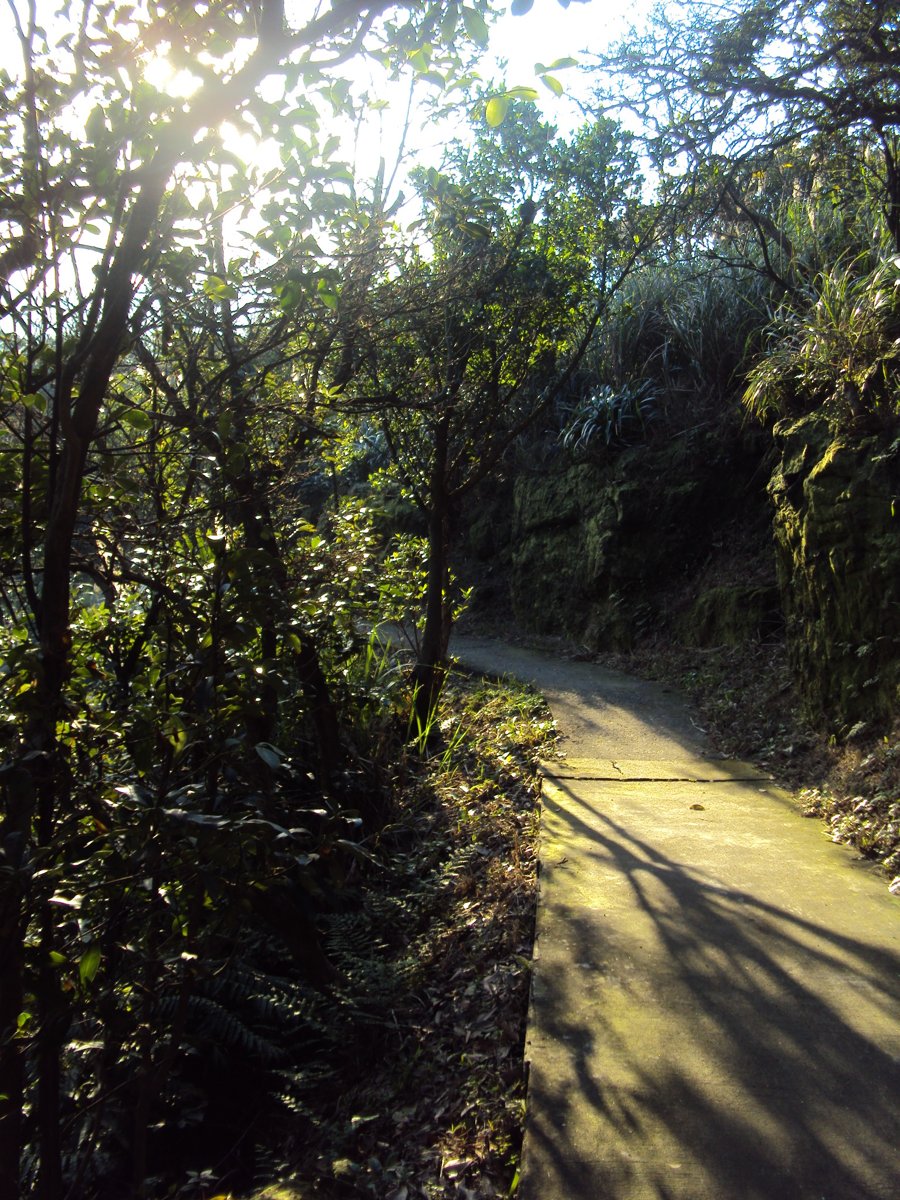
pixel 136 418
pixel 326 294
pixel 476 27
pixel 551 82
pixel 219 289
pixel 495 110
pixel 448 24
pixel 89 964
pixel 521 93
pixel 95 126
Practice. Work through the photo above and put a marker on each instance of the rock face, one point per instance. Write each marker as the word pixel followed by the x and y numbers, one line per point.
pixel 599 549
pixel 606 552
pixel 731 614
pixel 837 533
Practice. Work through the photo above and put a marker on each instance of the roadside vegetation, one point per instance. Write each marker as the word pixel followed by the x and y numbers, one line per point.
pixel 424 1088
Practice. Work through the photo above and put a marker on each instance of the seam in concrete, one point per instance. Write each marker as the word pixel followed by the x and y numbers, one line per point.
pixel 659 778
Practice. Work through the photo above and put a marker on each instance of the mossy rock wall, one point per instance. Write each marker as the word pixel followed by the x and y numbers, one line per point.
pixel 837 535
pixel 730 615
pixel 597 548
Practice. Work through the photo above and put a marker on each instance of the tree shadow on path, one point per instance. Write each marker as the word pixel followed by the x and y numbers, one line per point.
pixel 690 1039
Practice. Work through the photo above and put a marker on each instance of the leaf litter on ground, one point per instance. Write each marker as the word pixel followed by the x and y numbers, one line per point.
pixel 426 1093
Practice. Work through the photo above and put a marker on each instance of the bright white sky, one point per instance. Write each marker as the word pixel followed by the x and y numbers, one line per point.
pixel 545 34
pixel 550 31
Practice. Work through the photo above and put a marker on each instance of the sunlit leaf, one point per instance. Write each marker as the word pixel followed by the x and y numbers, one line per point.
pixel 219 289
pixel 476 27
pixel 136 418
pixel 326 294
pixel 495 110
pixel 553 84
pixel 89 964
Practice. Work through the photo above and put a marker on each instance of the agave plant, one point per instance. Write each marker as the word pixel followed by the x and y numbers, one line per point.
pixel 618 417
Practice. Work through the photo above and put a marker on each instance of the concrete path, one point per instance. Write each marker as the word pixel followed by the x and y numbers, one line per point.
pixel 715 998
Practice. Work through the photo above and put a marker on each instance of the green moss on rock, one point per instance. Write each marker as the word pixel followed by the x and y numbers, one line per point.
pixel 730 616
pixel 596 547
pixel 837 536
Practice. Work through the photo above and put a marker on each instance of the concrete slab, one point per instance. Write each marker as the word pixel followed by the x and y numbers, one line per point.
pixel 716 993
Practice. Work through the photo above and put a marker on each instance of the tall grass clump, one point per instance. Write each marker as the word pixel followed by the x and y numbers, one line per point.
pixel 838 346
pixel 672 354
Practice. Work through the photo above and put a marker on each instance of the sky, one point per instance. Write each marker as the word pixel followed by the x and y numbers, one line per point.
pixel 546 33
pixel 549 31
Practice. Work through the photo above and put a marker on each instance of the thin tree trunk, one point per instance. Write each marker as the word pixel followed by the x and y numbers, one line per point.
pixel 429 672
pixel 259 533
pixel 18 789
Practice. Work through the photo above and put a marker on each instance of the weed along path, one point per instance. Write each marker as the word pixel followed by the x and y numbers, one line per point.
pixel 715 1006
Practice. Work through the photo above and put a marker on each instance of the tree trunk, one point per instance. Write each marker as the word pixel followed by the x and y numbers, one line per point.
pixel 430 670
pixel 890 144
pixel 18 795
pixel 259 533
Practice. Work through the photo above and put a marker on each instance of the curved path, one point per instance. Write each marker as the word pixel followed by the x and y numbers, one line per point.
pixel 714 1009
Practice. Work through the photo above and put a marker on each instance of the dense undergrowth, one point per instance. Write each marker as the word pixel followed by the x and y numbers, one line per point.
pixel 404 1075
